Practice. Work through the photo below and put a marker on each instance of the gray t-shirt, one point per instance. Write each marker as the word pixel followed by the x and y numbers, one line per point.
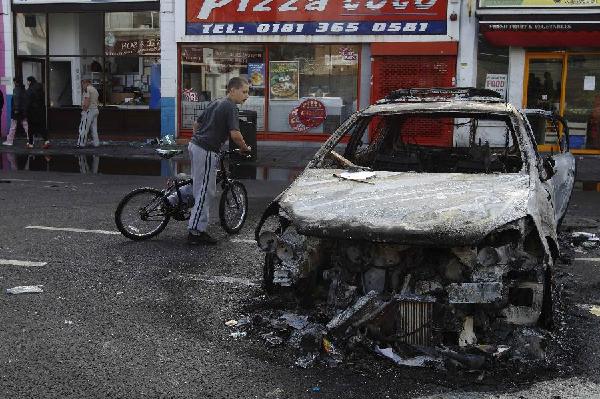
pixel 218 119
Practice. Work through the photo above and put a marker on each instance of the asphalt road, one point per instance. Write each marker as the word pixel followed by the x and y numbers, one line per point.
pixel 123 319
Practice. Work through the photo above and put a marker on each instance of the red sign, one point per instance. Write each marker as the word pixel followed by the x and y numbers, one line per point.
pixel 289 17
pixel 309 114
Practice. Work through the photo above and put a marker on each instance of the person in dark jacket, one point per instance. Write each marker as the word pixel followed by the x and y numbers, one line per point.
pixel 36 111
pixel 18 113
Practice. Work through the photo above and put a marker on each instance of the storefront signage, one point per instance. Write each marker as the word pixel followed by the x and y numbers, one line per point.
pixel 316 17
pixel 283 80
pixel 309 114
pixel 538 3
pixel 75 1
pixel 496 82
pixel 149 46
pixel 535 27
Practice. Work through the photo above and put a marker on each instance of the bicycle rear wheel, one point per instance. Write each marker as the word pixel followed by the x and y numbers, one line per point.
pixel 233 207
pixel 142 214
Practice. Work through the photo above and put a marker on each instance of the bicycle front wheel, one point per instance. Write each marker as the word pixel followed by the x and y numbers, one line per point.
pixel 142 214
pixel 233 207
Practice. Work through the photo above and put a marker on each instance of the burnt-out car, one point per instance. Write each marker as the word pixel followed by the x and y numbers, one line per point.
pixel 427 218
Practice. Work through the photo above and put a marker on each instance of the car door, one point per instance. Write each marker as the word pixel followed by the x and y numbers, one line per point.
pixel 560 165
pixel 564 169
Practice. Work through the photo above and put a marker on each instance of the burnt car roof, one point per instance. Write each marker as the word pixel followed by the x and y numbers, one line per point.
pixel 439 106
pixel 452 99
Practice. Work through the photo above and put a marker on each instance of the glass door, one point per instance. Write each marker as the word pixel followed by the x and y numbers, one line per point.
pixel 544 89
pixel 582 100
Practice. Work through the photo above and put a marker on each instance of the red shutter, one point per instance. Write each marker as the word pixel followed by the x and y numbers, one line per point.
pixel 392 72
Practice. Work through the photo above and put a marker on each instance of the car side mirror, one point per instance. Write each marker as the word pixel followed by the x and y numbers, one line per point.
pixel 548 168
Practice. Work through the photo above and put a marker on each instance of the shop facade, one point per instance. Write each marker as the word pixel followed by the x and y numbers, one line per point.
pixel 546 54
pixel 114 43
pixel 310 63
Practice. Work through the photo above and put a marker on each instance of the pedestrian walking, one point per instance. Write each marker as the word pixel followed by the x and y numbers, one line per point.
pixel 89 114
pixel 36 111
pixel 18 113
pixel 218 122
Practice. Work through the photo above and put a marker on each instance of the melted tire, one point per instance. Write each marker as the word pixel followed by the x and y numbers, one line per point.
pixel 128 231
pixel 268 270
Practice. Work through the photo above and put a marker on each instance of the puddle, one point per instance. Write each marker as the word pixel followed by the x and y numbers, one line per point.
pixel 96 164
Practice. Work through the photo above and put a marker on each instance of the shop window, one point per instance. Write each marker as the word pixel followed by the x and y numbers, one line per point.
pixel 31 34
pixel 582 100
pixel 64 84
pixel 326 74
pixel 129 80
pixel 77 34
pixel 206 70
pixel 132 33
pixel 492 67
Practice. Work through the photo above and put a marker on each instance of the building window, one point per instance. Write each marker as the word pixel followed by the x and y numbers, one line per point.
pixel 492 67
pixel 206 70
pixel 132 33
pixel 31 34
pixel 316 82
pixel 326 73
pixel 582 100
pixel 128 81
pixel 119 60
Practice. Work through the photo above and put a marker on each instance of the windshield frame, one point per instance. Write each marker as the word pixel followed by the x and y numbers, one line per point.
pixel 363 118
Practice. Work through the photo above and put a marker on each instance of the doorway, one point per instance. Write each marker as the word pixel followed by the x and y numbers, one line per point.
pixel 32 67
pixel 565 82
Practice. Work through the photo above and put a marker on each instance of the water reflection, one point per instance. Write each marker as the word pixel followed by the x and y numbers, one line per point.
pixel 94 164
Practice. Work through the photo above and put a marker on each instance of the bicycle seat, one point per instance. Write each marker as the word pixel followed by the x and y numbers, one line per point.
pixel 167 154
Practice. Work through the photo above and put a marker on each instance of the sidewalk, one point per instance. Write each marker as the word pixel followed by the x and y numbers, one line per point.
pixel 268 154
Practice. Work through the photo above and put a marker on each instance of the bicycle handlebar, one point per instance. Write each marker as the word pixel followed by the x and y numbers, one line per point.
pixel 237 152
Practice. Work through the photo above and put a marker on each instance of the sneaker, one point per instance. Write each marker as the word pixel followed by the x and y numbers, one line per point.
pixel 7 143
pixel 46 145
pixel 29 146
pixel 202 238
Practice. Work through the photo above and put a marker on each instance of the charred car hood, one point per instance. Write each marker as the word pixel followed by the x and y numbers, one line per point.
pixel 446 209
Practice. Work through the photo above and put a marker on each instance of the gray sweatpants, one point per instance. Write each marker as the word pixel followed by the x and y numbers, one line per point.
pixel 204 173
pixel 89 120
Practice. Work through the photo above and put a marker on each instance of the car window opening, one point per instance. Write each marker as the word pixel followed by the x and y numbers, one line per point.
pixel 432 143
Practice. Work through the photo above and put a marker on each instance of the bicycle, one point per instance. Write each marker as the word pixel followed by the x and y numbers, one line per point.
pixel 146 211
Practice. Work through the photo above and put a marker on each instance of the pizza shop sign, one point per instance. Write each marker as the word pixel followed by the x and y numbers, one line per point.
pixel 316 17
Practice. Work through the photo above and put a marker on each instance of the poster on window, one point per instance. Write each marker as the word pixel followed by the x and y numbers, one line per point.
pixel 496 82
pixel 283 80
pixel 256 75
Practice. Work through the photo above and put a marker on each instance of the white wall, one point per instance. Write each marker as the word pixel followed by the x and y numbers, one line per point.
pixel 8 49
pixel 466 62
pixel 168 54
pixel 516 75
